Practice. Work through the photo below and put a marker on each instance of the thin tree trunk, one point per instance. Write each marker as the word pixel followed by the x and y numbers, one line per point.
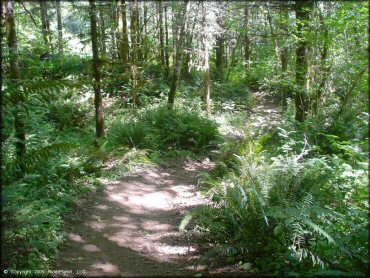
pixel 324 66
pixel 246 39
pixel 220 57
pixel 301 100
pixel 167 56
pixel 45 23
pixel 232 58
pixel 207 87
pixel 206 74
pixel 99 119
pixel 140 33
pixel 124 46
pixel 113 31
pixel 284 57
pixel 187 52
pixel 134 49
pixel 103 49
pixel 60 27
pixel 145 33
pixel 178 58
pixel 134 32
pixel 174 34
pixel 161 33
pixel 348 94
pixel 220 49
pixel 276 42
pixel 19 117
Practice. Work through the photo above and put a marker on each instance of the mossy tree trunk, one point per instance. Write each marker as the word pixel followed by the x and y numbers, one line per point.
pixel 19 115
pixel 302 9
pixel 99 119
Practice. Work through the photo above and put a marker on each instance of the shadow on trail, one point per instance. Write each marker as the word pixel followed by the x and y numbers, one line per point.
pixel 131 229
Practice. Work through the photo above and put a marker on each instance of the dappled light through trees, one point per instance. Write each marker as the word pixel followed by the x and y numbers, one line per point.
pixel 185 138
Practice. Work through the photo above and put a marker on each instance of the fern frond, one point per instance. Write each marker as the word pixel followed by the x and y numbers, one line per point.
pixel 34 157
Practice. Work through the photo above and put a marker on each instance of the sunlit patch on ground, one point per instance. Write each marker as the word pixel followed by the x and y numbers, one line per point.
pixel 136 224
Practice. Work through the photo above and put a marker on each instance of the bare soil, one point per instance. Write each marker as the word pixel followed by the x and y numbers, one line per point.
pixel 131 228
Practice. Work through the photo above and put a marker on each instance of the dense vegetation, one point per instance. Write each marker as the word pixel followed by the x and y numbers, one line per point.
pixel 91 88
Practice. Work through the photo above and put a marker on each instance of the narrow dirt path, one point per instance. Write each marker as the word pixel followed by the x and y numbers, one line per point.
pixel 266 115
pixel 131 229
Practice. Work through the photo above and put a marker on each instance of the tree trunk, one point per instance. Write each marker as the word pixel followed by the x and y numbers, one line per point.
pixel 324 66
pixel 301 101
pixel 178 58
pixel 276 42
pixel 207 87
pixel 220 57
pixel 284 56
pixel 124 46
pixel 145 33
pixel 220 49
pixel 232 57
pixel 174 33
pixel 134 32
pixel 60 27
pixel 161 35
pixel 187 52
pixel 140 33
pixel 113 31
pixel 45 23
pixel 19 116
pixel 247 58
pixel 206 74
pixel 167 56
pixel 99 119
pixel 134 48
pixel 103 48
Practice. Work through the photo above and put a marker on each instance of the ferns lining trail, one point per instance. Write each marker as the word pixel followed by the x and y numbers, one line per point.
pixel 185 138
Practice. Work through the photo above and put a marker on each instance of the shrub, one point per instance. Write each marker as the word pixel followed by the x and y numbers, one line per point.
pixel 276 213
pixel 232 96
pixel 67 115
pixel 132 134
pixel 165 129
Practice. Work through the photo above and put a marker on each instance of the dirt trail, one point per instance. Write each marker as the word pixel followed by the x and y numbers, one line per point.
pixel 266 115
pixel 131 229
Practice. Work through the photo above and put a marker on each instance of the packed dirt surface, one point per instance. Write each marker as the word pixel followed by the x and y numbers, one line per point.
pixel 266 115
pixel 131 229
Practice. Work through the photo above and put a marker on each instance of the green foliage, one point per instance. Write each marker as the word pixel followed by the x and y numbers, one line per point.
pixel 34 205
pixel 67 114
pixel 283 212
pixel 131 134
pixel 232 97
pixel 165 129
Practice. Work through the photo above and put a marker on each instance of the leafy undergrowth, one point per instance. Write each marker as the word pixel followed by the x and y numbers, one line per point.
pixel 165 130
pixel 285 205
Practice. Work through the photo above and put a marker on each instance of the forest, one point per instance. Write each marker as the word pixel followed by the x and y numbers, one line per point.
pixel 185 138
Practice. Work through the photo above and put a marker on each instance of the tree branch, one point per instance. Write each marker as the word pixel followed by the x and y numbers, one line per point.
pixel 33 19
